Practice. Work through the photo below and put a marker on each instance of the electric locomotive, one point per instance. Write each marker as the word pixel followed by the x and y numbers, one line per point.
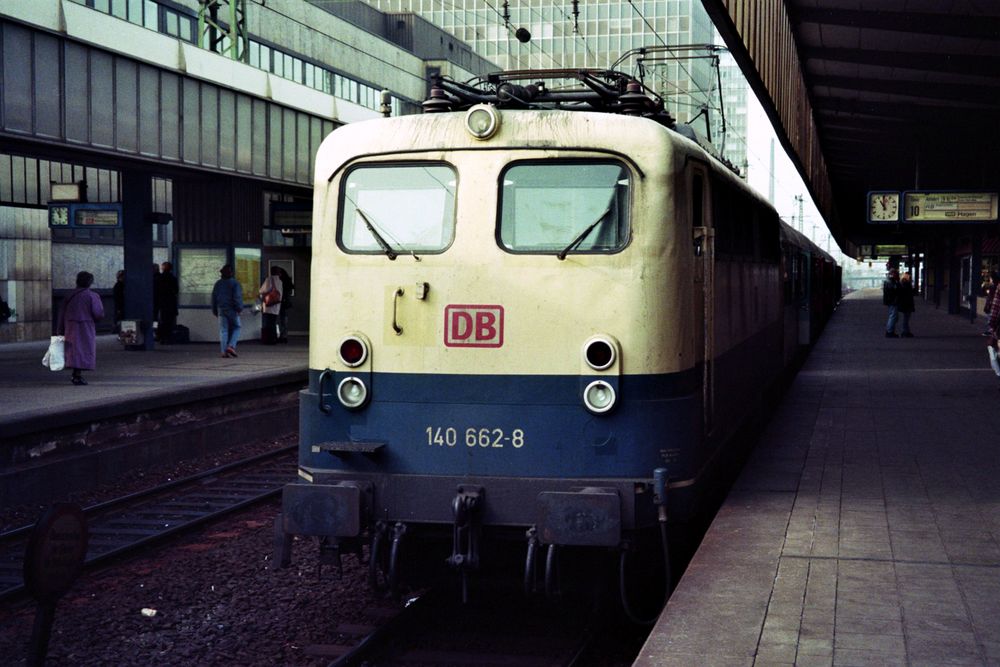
pixel 536 314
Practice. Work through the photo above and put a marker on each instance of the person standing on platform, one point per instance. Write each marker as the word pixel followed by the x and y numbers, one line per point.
pixel 118 292
pixel 904 303
pixel 890 294
pixel 990 291
pixel 168 303
pixel 78 323
pixel 156 296
pixel 270 308
pixel 227 304
pixel 287 286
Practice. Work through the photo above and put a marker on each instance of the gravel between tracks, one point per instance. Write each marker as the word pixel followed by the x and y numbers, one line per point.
pixel 217 602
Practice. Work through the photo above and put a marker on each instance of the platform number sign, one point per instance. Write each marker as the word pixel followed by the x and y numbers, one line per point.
pixel 473 326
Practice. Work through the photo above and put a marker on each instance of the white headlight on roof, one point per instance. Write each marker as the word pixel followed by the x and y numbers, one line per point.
pixel 482 121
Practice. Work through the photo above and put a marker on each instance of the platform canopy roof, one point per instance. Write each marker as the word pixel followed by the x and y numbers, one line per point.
pixel 892 95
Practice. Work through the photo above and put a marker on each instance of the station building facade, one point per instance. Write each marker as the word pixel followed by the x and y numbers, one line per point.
pixel 205 159
pixel 598 35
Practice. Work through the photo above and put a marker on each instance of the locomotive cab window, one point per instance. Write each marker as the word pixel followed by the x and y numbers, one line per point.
pixel 564 207
pixel 397 209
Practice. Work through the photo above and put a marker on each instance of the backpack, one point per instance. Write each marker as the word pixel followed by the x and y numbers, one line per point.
pixel 273 296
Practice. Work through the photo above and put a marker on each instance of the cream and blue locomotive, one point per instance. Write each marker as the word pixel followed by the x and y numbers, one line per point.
pixel 536 315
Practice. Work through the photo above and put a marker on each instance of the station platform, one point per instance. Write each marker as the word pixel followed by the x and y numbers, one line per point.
pixel 865 528
pixel 160 405
pixel 127 381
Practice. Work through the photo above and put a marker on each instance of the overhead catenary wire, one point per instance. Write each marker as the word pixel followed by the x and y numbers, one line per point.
pixel 530 43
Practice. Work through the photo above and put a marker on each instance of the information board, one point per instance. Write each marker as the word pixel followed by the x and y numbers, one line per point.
pixel 86 215
pixel 950 206
pixel 198 271
pixel 96 218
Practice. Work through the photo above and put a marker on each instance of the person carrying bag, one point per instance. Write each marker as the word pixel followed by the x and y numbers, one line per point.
pixel 270 295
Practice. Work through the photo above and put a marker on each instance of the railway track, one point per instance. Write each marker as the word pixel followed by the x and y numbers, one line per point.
pixel 437 629
pixel 136 520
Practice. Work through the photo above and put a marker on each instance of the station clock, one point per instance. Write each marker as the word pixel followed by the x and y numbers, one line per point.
pixel 883 206
pixel 58 215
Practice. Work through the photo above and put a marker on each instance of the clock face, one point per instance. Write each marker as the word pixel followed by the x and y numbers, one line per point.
pixel 59 216
pixel 883 206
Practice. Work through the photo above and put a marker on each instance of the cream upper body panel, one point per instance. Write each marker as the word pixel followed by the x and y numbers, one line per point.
pixel 549 308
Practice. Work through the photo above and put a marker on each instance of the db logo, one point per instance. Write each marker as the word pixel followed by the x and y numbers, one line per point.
pixel 473 326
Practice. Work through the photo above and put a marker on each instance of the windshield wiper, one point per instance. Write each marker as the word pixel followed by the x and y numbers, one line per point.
pixel 389 252
pixel 584 234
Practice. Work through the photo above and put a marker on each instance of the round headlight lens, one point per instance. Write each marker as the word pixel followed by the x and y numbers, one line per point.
pixel 599 396
pixel 353 351
pixel 600 354
pixel 482 121
pixel 352 393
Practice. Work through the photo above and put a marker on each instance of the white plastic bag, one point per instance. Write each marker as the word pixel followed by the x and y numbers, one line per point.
pixel 55 356
pixel 992 351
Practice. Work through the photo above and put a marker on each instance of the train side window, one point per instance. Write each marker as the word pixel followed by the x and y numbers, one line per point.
pixel 561 207
pixel 409 208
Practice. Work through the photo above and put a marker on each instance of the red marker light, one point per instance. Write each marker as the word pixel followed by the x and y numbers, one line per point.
pixel 600 355
pixel 353 351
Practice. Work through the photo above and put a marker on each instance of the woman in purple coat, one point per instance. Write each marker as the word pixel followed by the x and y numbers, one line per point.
pixel 80 312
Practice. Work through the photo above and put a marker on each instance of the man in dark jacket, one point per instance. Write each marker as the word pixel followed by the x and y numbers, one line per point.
pixel 167 289
pixel 890 296
pixel 904 303
pixel 227 304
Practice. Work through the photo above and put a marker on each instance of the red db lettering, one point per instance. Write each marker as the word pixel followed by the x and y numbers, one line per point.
pixel 461 326
pixel 485 329
pixel 473 326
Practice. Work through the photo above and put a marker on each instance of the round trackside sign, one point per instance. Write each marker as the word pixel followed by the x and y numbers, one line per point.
pixel 56 551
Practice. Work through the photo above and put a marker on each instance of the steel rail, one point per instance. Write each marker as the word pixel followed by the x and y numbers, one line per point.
pixel 220 484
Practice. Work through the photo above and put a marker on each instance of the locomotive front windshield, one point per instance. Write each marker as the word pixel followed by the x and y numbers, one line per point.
pixel 397 208
pixel 563 207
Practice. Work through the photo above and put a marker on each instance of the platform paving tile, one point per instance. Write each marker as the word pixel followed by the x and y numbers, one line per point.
pixel 880 643
pixel 918 545
pixel 944 647
pixel 808 660
pixel 868 658
pixel 992 651
pixel 971 546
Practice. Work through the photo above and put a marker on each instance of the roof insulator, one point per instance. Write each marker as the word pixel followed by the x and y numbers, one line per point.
pixel 438 102
pixel 633 101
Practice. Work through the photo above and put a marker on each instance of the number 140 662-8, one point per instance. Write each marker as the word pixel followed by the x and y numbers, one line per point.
pixel 447 436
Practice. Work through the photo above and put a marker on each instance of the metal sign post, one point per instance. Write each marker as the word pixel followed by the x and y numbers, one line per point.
pixel 52 562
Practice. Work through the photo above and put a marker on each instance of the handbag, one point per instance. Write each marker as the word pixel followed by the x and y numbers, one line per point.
pixel 55 356
pixel 273 296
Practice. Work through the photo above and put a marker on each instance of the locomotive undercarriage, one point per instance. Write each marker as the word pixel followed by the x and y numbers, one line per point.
pixel 547 516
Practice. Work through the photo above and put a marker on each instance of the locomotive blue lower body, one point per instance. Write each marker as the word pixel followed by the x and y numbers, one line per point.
pixel 516 438
pixel 516 455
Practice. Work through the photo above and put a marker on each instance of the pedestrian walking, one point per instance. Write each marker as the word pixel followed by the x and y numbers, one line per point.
pixel 227 304
pixel 78 323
